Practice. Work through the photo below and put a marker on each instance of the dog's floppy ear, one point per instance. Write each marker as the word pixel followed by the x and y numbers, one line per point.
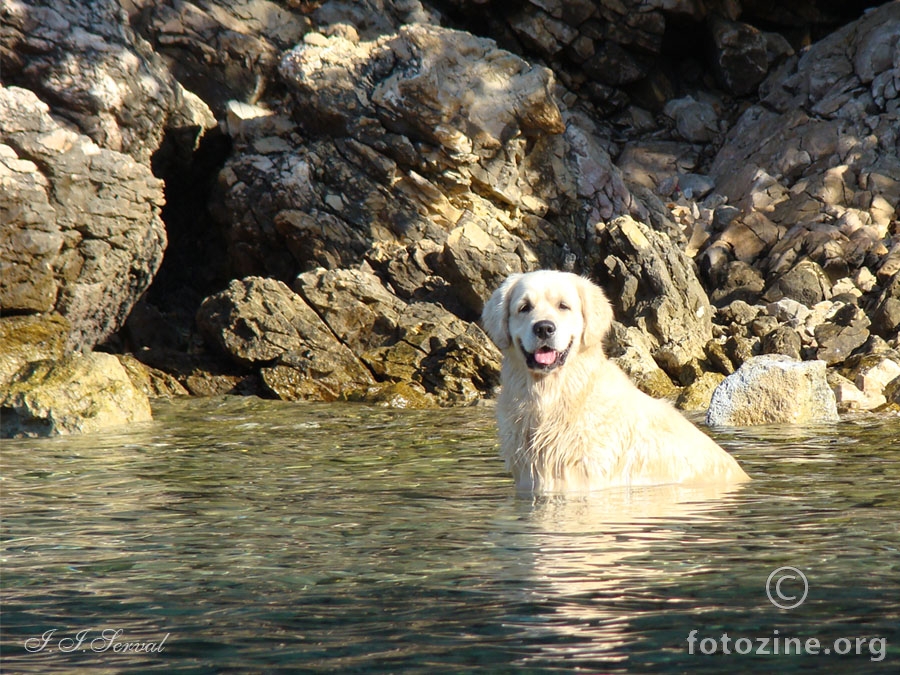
pixel 598 314
pixel 495 317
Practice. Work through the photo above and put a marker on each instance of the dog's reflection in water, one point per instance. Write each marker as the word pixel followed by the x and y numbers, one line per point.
pixel 599 561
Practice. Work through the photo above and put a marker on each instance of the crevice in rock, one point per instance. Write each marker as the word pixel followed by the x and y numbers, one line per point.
pixel 196 261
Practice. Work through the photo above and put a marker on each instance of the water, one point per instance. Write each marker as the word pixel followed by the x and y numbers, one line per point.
pixel 246 536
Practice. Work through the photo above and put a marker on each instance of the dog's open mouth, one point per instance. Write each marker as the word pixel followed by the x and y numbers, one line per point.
pixel 545 358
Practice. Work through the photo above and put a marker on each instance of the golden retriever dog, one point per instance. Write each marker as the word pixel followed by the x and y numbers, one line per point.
pixel 569 419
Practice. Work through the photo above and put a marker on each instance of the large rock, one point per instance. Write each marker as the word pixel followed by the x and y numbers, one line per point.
pixel 100 76
pixel 263 323
pixel 631 350
pixel 418 343
pixel 477 257
pixel 77 394
pixel 82 234
pixel 773 390
pixel 654 285
pixel 408 138
pixel 222 50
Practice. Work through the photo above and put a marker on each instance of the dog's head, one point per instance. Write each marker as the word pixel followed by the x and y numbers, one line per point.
pixel 545 316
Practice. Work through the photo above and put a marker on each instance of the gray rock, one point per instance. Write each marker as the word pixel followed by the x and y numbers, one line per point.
pixel 77 394
pixel 741 59
pixel 82 234
pixel 100 76
pixel 418 343
pixel 696 121
pixel 773 390
pixel 782 340
pixel 654 286
pixel 806 283
pixel 262 322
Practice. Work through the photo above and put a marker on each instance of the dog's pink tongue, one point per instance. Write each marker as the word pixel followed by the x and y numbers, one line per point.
pixel 545 356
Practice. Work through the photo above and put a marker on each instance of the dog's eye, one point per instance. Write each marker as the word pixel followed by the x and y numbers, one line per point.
pixel 564 307
pixel 525 307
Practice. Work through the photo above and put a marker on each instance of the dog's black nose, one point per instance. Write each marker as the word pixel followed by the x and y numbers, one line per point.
pixel 544 329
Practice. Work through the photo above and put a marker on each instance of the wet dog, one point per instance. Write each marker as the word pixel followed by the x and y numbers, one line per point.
pixel 569 419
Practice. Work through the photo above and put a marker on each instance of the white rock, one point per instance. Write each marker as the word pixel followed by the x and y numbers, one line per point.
pixel 773 389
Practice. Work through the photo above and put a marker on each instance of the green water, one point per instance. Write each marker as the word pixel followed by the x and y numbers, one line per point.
pixel 247 536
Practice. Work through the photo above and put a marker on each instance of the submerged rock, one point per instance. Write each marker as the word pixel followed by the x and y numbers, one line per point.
pixel 76 394
pixel 773 390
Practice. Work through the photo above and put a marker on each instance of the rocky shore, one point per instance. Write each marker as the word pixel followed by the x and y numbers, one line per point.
pixel 312 200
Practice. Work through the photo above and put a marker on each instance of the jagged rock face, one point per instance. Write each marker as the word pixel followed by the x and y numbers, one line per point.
pixel 261 322
pixel 343 335
pixel 405 138
pixel 82 234
pixel 221 50
pixel 101 77
pixel 817 163
pixel 403 170
pixel 653 285
pixel 452 360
